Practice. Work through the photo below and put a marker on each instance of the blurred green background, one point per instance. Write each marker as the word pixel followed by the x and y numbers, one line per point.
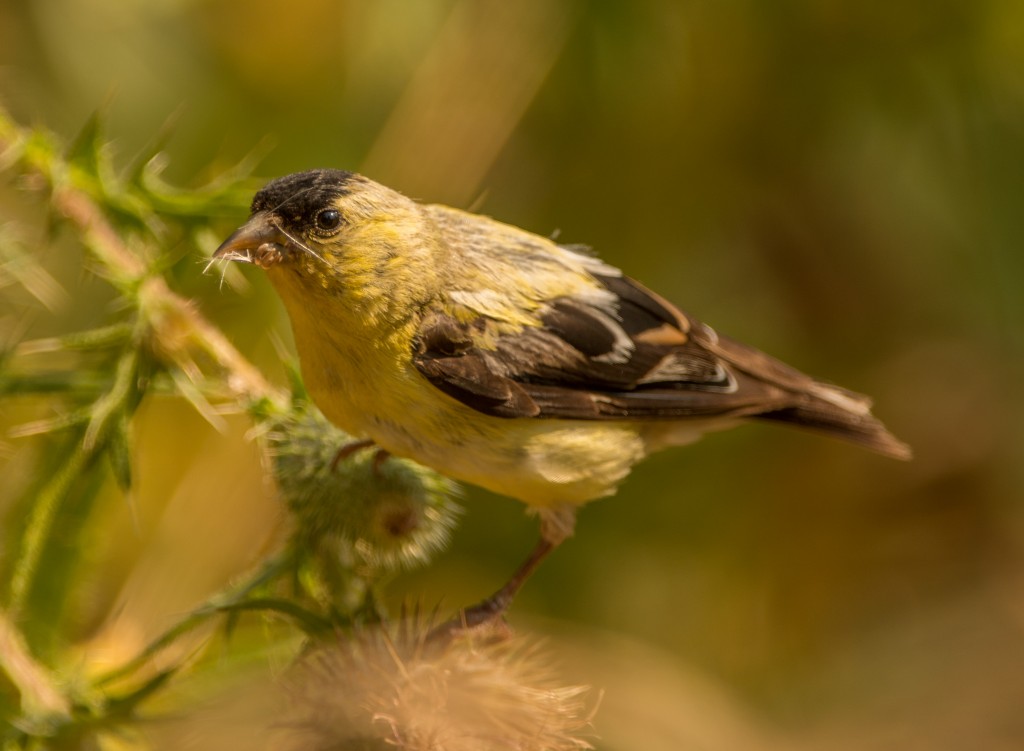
pixel 839 183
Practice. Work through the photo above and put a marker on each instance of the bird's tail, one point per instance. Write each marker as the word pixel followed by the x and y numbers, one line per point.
pixel 811 404
pixel 861 428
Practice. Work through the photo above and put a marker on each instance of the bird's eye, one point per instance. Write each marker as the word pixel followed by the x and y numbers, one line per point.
pixel 328 220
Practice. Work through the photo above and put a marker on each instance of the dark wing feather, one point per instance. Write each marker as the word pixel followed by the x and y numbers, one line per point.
pixel 645 360
pixel 570 367
pixel 467 377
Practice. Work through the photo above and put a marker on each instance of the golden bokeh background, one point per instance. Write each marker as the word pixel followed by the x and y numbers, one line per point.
pixel 839 183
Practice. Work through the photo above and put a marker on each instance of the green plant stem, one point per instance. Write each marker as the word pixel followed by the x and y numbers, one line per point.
pixel 113 401
pixel 40 523
pixel 174 318
pixel 168 334
pixel 36 687
pixel 225 601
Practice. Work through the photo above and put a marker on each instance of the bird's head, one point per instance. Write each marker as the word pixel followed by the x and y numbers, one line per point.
pixel 325 228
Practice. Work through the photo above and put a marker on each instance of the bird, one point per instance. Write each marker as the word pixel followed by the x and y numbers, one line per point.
pixel 503 359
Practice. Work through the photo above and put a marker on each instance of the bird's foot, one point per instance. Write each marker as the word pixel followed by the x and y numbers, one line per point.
pixel 350 448
pixel 494 607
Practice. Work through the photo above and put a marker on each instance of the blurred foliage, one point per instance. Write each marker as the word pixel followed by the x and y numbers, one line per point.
pixel 838 183
pixel 353 522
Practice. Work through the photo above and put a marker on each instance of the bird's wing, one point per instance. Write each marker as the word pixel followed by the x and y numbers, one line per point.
pixel 639 358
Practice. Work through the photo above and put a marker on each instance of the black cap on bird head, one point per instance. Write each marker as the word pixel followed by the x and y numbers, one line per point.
pixel 298 196
pixel 279 212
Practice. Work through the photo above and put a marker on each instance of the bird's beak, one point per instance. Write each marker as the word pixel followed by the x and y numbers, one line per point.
pixel 260 241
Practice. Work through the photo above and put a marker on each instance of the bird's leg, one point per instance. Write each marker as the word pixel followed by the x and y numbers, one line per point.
pixel 498 603
pixel 556 524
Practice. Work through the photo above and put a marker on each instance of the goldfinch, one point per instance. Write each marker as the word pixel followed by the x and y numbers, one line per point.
pixel 501 358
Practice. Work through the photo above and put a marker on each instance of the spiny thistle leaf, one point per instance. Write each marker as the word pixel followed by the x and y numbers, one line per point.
pixel 81 384
pixel 118 451
pixel 306 619
pixel 74 418
pixel 226 194
pixel 91 161
pixel 103 337
pixel 122 707
pixel 135 173
pixel 18 266
pixel 123 395
pixel 90 153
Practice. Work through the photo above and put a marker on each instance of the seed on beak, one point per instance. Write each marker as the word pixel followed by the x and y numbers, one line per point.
pixel 259 241
pixel 267 255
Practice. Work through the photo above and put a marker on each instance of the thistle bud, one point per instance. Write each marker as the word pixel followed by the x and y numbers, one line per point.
pixel 391 511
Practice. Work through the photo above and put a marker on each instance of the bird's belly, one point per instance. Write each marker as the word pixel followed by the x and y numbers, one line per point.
pixel 540 462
